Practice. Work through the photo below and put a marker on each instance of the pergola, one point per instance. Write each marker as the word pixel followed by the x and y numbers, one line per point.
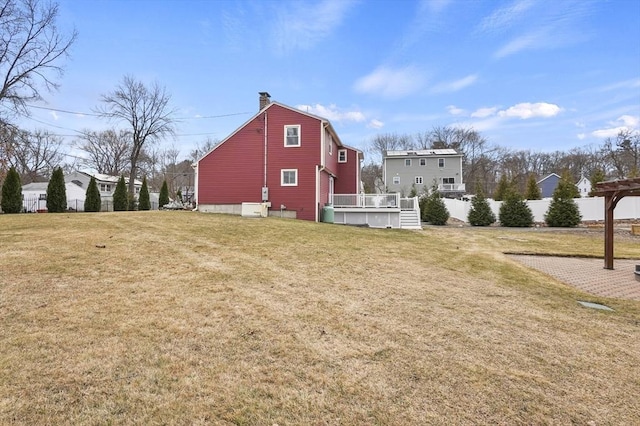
pixel 613 191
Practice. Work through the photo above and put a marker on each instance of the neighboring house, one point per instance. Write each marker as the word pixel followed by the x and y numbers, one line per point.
pixel 548 184
pixel 34 196
pixel 420 169
pixel 287 160
pixel 584 186
pixel 106 183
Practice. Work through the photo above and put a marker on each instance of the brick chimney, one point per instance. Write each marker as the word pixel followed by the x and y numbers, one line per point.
pixel 265 99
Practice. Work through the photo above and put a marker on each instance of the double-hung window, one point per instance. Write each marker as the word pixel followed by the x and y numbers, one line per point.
pixel 342 156
pixel 441 162
pixel 418 180
pixel 292 135
pixel 423 161
pixel 396 180
pixel 407 162
pixel 289 177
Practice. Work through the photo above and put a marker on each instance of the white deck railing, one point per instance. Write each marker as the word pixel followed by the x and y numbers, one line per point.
pixel 366 200
pixel 449 187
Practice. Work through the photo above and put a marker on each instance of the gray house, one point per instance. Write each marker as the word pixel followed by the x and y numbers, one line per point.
pixel 421 169
pixel 548 184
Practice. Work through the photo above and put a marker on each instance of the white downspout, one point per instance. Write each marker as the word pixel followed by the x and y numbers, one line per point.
pixel 265 151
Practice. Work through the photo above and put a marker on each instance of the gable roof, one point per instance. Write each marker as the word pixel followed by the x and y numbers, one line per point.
pixel 548 177
pixel 326 123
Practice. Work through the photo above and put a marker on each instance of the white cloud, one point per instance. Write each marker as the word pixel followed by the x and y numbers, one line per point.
pixel 454 86
pixel 454 110
pixel 375 124
pixel 300 26
pixel 528 110
pixel 629 123
pixel 332 113
pixel 533 40
pixel 391 83
pixel 581 136
pixel 484 112
pixel 54 115
pixel 505 17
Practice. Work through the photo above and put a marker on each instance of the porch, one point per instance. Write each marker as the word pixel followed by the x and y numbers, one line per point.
pixel 377 210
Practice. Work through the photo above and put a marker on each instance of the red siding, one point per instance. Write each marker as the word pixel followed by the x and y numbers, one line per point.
pixel 348 180
pixel 233 172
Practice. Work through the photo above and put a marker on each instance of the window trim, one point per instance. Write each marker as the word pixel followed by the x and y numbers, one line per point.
pixel 418 180
pixel 396 178
pixel 407 162
pixel 342 156
pixel 282 173
pixel 293 126
pixel 453 181
pixel 423 161
pixel 441 163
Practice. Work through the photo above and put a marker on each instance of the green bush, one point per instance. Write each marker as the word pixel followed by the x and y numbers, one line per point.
pixel 501 190
pixel 164 195
pixel 143 201
pixel 563 210
pixel 11 192
pixel 480 213
pixel 56 192
pixel 433 210
pixel 514 211
pixel 533 190
pixel 92 200
pixel 120 197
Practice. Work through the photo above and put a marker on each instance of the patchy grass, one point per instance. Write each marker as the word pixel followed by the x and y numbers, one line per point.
pixel 188 318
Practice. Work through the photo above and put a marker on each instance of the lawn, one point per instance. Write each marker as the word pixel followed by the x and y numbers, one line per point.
pixel 189 318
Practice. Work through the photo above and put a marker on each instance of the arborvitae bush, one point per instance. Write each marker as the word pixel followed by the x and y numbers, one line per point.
pixel 563 210
pixel 480 213
pixel 56 192
pixel 120 197
pixel 597 176
pixel 92 201
pixel 143 200
pixel 501 190
pixel 514 211
pixel 11 192
pixel 163 198
pixel 433 210
pixel 533 190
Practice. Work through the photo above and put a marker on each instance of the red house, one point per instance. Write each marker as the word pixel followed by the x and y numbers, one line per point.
pixel 287 160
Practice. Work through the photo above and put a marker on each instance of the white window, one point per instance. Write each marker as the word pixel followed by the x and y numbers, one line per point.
pixel 105 187
pixel 407 162
pixel 396 180
pixel 448 181
pixel 342 156
pixel 440 162
pixel 423 161
pixel 292 135
pixel 418 180
pixel 289 177
pixel 330 146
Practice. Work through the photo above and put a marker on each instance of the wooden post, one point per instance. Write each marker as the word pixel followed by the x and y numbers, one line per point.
pixel 609 206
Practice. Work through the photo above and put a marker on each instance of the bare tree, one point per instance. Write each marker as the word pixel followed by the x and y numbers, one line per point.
pixel 34 154
pixel 203 148
pixel 30 49
pixel 622 154
pixel 389 142
pixel 147 112
pixel 108 151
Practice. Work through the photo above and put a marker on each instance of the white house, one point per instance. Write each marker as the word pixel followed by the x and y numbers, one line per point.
pixel 584 186
pixel 106 183
pixel 34 196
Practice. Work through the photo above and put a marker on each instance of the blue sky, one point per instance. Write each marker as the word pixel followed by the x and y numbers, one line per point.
pixel 539 75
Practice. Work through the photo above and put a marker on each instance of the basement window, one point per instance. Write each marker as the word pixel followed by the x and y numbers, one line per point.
pixel 289 177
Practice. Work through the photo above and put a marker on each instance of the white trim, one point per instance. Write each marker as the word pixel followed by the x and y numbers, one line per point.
pixel 418 178
pixel 394 180
pixel 407 162
pixel 282 172
pixel 443 163
pixel 299 134
pixel 340 153
pixel 423 160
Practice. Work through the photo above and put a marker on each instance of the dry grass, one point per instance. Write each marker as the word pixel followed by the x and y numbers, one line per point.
pixel 187 318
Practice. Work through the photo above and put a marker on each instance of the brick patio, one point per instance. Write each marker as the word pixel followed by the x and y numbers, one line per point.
pixel 589 274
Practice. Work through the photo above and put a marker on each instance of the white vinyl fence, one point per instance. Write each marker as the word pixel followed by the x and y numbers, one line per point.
pixel 591 208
